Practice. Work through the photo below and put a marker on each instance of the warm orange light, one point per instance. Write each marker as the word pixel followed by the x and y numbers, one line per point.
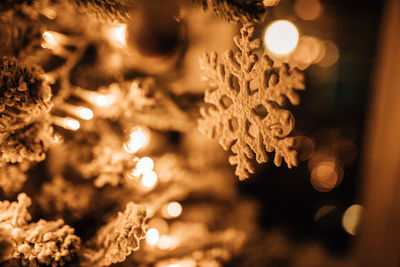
pixel 85 113
pixel 281 37
pixel 51 40
pixel 102 100
pixel 166 242
pixel 138 138
pixel 118 35
pixel 72 124
pixel 307 9
pixel 144 165
pixel 331 54
pixel 174 209
pixel 324 176
pixel 152 236
pixel 351 219
pixel 67 123
pixel 149 179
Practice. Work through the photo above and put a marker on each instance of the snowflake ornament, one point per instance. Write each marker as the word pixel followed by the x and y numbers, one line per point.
pixel 245 104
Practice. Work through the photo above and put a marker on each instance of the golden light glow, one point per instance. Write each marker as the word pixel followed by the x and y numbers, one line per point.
pixel 149 179
pixel 58 138
pixel 174 209
pixel 281 37
pixel 166 242
pixel 51 40
pixel 331 54
pixel 324 176
pixel 152 236
pixel 138 138
pixel 85 113
pixel 102 100
pixel 144 165
pixel 72 124
pixel 309 50
pixel 67 123
pixel 118 35
pixel 174 265
pixel 351 219
pixel 307 9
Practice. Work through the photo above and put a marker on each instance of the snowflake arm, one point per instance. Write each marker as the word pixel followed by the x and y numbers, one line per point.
pixel 246 101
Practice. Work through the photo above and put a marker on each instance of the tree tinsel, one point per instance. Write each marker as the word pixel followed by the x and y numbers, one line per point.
pixel 243 11
pixel 117 10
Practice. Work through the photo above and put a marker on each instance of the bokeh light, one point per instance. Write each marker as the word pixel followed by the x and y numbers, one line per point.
pixel 325 176
pixel 51 40
pixel 152 236
pixel 149 179
pixel 281 37
pixel 305 148
pixel 70 124
pixel 174 209
pixel 102 100
pixel 351 219
pixel 85 113
pixel 331 54
pixel 138 139
pixel 310 50
pixel 117 35
pixel 167 242
pixel 144 165
pixel 307 9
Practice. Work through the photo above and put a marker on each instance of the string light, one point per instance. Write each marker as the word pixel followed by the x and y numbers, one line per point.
pixel 102 100
pixel 144 165
pixel 67 123
pixel 77 111
pixel 174 209
pixel 152 236
pixel 149 179
pixel 117 35
pixel 138 138
pixel 281 37
pixel 51 40
pixel 351 219
pixel 85 113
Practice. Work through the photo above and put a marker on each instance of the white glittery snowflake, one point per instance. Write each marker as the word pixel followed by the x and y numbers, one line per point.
pixel 246 100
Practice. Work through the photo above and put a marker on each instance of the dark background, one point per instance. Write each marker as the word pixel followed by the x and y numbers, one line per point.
pixel 335 103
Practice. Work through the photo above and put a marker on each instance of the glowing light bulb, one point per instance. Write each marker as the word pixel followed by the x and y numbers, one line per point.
pixel 118 35
pixel 85 113
pixel 281 37
pixel 144 165
pixel 351 219
pixel 307 9
pixel 72 124
pixel 174 265
pixel 101 100
pixel 152 236
pixel 51 40
pixel 137 139
pixel 149 179
pixel 174 209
